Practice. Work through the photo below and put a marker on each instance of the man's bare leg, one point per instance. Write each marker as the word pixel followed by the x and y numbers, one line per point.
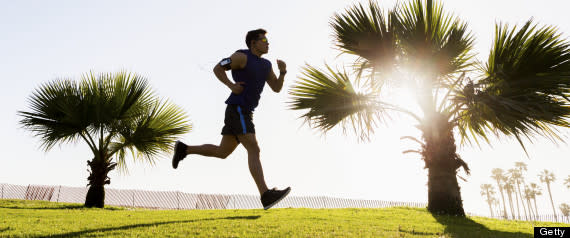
pixel 226 147
pixel 250 143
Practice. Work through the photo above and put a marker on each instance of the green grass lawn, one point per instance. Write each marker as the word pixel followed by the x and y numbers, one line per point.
pixel 37 219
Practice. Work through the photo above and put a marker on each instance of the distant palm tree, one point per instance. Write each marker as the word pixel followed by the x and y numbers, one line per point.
pixel 548 177
pixel 488 191
pixel 567 182
pixel 113 113
pixel 521 90
pixel 499 176
pixel 509 189
pixel 515 176
pixel 528 196
pixel 535 191
pixel 565 209
pixel 521 167
pixel 496 205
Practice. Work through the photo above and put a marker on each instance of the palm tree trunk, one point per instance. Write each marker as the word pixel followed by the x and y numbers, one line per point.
pixel 518 206
pixel 522 200
pixel 551 201
pixel 444 196
pixel 490 208
pixel 530 212
pixel 535 208
pixel 95 196
pixel 503 197
pixel 510 195
pixel 100 167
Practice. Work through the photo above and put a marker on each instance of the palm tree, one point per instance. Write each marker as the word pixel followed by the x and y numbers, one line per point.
pixel 528 195
pixel 518 178
pixel 509 189
pixel 521 166
pixel 514 177
pixel 567 182
pixel 535 191
pixel 521 90
pixel 565 209
pixel 488 191
pixel 113 113
pixel 497 205
pixel 548 177
pixel 499 176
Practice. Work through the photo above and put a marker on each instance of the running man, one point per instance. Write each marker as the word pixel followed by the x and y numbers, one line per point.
pixel 250 72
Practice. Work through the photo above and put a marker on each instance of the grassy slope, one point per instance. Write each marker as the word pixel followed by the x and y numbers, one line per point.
pixel 36 218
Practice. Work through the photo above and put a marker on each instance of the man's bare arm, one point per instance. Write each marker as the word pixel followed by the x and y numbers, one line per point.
pixel 275 83
pixel 238 61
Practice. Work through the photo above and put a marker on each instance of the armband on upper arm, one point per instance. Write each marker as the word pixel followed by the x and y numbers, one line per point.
pixel 226 63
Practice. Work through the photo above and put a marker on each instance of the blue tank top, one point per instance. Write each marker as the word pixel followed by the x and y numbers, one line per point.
pixel 254 74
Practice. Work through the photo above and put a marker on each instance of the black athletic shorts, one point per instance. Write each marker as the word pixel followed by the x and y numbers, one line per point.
pixel 237 121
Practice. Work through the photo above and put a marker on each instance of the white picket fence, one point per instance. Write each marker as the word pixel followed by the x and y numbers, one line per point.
pixel 180 200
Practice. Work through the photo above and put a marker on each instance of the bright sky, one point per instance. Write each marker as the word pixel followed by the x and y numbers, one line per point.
pixel 176 43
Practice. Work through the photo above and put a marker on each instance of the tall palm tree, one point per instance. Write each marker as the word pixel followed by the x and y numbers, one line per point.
pixel 113 113
pixel 514 176
pixel 520 92
pixel 499 176
pixel 567 182
pixel 528 196
pixel 565 209
pixel 497 205
pixel 488 191
pixel 518 178
pixel 521 167
pixel 548 177
pixel 535 191
pixel 509 189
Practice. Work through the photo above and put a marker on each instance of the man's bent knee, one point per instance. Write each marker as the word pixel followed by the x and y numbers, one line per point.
pixel 224 154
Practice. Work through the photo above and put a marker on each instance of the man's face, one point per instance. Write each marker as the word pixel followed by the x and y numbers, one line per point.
pixel 261 44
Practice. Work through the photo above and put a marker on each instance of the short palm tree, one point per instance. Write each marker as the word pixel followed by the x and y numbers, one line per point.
pixel 548 177
pixel 499 176
pixel 488 191
pixel 113 113
pixel 521 91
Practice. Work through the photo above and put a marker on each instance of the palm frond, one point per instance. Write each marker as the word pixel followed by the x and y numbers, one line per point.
pixel 151 133
pixel 525 90
pixel 434 43
pixel 57 113
pixel 367 33
pixel 331 99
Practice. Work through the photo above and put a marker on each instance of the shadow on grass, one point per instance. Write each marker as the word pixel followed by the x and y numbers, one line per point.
pixel 465 227
pixel 85 232
pixel 64 207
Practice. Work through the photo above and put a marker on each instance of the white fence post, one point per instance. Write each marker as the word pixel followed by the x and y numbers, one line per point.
pixel 58 193
pixel 178 200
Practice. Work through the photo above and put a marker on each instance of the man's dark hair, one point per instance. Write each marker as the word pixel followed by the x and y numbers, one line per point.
pixel 253 35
